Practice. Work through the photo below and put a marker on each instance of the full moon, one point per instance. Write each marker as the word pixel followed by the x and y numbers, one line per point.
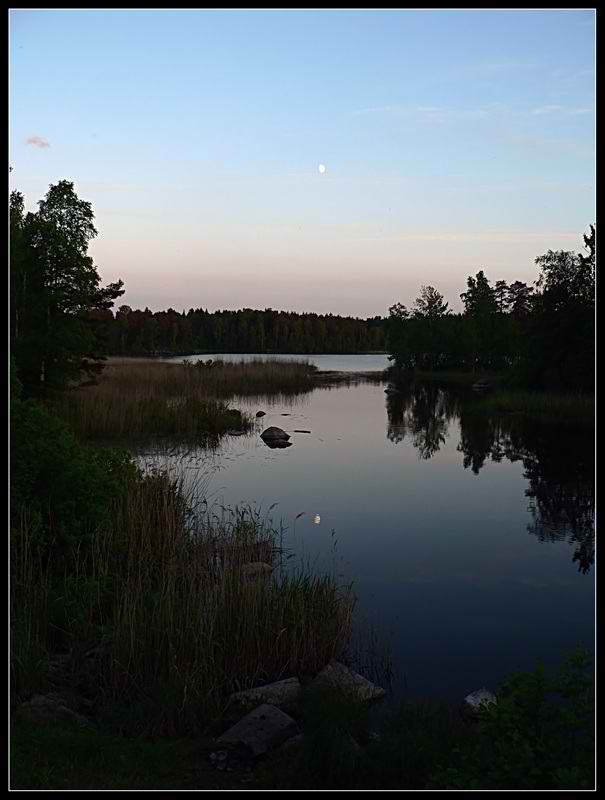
pixel 322 168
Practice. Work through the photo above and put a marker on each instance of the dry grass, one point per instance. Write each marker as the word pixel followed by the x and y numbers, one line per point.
pixel 137 397
pixel 176 624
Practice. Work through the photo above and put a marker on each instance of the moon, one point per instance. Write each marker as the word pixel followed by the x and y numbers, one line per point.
pixel 322 168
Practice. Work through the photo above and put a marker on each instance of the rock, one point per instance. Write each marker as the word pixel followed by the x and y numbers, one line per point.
pixel 49 708
pixel 340 676
pixel 273 434
pixel 473 703
pixel 277 444
pixel 236 433
pixel 261 731
pixel 295 741
pixel 390 390
pixel 255 571
pixel 261 413
pixel 282 693
pixel 302 431
pixel 484 386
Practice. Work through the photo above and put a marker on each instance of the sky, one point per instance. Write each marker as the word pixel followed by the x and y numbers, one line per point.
pixel 453 141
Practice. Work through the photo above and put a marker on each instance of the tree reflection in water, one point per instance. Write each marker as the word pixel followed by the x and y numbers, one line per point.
pixel 558 459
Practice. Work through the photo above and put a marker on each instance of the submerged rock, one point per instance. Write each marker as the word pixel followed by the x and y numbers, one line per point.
pixel 261 731
pixel 342 677
pixel 302 431
pixel 261 413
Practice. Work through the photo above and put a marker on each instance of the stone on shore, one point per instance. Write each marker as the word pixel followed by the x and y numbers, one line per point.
pixel 49 708
pixel 475 702
pixel 261 731
pixel 342 677
pixel 281 694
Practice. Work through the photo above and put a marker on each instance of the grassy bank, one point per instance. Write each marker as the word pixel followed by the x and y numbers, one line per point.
pixel 159 596
pixel 539 735
pixel 138 397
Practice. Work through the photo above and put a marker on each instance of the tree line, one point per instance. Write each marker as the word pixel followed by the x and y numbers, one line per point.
pixel 544 335
pixel 62 325
pixel 136 332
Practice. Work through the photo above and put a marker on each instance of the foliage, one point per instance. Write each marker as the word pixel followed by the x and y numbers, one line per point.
pixel 561 334
pixel 54 284
pixel 542 336
pixel 539 735
pixel 66 488
pixel 140 332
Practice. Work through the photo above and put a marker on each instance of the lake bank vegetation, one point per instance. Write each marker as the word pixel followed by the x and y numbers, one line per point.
pixel 135 599
pixel 140 397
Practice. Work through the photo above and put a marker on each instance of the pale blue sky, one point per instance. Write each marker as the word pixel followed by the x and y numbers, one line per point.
pixel 454 141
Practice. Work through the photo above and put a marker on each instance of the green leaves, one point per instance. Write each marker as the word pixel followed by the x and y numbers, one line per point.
pixel 524 739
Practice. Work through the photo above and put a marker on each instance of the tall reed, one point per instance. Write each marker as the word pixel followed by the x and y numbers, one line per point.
pixel 137 397
pixel 162 622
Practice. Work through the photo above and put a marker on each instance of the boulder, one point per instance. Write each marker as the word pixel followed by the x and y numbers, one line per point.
pixel 484 386
pixel 476 701
pixel 256 570
pixel 274 434
pixel 49 708
pixel 261 413
pixel 260 731
pixel 277 443
pixel 342 677
pixel 281 694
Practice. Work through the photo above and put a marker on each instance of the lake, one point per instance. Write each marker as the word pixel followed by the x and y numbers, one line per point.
pixel 469 537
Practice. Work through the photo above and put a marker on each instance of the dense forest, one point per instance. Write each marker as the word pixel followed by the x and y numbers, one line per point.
pixel 134 332
pixel 543 335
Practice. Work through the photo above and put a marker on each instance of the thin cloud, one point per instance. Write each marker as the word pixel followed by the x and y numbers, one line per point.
pixel 38 141
pixel 434 113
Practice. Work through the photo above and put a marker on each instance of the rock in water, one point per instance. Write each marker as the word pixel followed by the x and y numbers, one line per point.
pixel 340 676
pixel 274 434
pixel 262 730
pixel 261 413
pixel 390 390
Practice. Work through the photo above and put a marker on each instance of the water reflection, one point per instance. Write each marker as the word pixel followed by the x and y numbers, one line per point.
pixel 558 460
pixel 421 412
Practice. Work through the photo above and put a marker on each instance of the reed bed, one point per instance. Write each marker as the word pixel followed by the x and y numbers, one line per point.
pixel 142 397
pixel 156 621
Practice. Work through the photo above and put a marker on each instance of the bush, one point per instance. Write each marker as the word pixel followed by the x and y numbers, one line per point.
pixel 539 735
pixel 67 488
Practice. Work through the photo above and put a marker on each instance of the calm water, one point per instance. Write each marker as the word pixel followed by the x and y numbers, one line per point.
pixel 470 538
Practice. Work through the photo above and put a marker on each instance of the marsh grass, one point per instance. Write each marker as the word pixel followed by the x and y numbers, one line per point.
pixel 138 397
pixel 160 624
